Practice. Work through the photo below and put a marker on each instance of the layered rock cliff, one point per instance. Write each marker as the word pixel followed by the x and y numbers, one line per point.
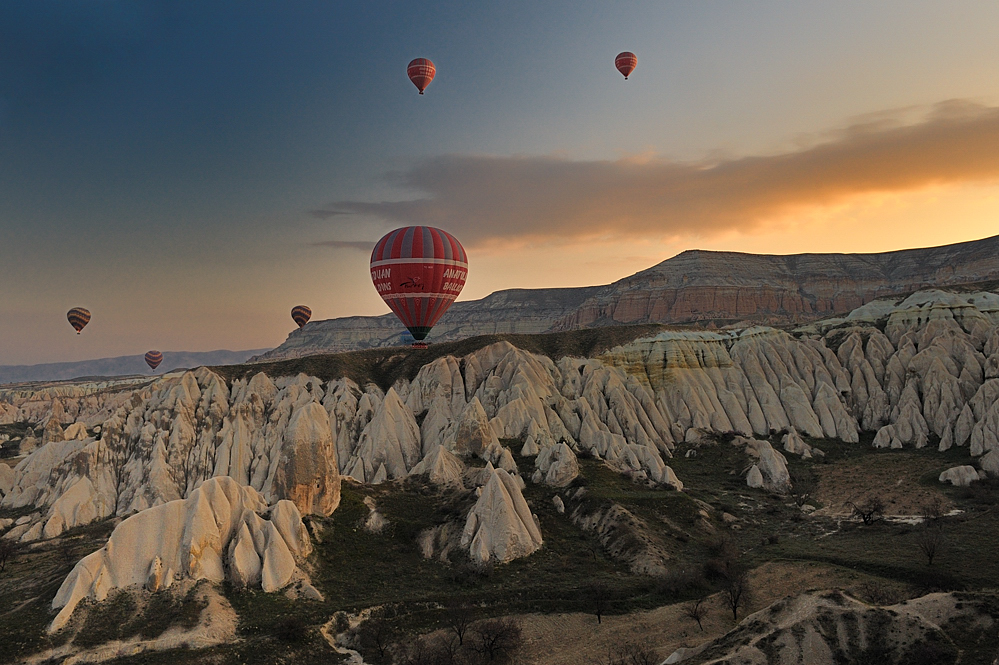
pixel 693 286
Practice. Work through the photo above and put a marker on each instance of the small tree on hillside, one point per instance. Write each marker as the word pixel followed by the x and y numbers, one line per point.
pixel 869 510
pixel 929 540
pixel 375 635
pixel 695 610
pixel 496 640
pixel 458 619
pixel 598 597
pixel 736 588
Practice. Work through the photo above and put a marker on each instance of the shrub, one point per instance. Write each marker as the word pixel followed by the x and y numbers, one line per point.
pixel 290 629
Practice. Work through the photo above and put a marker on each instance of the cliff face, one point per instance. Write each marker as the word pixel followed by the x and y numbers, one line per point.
pixel 698 285
pixel 693 286
pixel 521 311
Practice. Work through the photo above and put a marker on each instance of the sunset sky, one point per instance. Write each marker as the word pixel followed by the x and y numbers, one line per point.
pixel 189 171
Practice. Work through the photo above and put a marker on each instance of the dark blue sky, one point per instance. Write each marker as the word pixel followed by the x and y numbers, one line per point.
pixel 159 161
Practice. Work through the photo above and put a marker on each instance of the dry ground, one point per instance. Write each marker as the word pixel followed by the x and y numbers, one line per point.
pixel 577 639
pixel 896 476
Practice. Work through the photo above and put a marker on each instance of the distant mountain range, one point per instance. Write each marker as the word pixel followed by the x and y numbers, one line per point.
pixel 695 286
pixel 120 366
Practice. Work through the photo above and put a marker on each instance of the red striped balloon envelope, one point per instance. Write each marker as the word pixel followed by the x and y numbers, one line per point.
pixel 421 72
pixel 626 62
pixel 153 359
pixel 419 271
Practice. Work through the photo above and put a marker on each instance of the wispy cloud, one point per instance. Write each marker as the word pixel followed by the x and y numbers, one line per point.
pixel 482 198
pixel 327 214
pixel 361 245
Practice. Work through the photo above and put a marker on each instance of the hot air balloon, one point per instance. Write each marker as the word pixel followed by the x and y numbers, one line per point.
pixel 421 72
pixel 301 314
pixel 419 271
pixel 78 318
pixel 626 61
pixel 153 359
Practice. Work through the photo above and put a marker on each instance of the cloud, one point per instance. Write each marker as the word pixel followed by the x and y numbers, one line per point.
pixel 361 245
pixel 327 214
pixel 488 198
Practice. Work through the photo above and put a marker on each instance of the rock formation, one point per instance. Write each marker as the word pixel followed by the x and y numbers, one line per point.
pixel 500 527
pixel 960 476
pixel 829 627
pixel 215 533
pixel 920 371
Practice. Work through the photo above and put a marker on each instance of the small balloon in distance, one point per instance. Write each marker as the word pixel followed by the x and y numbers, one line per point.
pixel 626 61
pixel 301 314
pixel 153 359
pixel 78 318
pixel 421 72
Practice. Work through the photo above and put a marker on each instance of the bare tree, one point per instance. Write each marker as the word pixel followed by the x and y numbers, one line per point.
pixel 869 510
pixel 695 610
pixel 458 618
pixel 598 597
pixel 929 540
pixel 496 639
pixel 933 509
pixel 736 590
pixel 375 635
pixel 802 491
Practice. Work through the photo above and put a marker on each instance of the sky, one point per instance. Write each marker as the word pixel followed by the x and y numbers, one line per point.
pixel 189 171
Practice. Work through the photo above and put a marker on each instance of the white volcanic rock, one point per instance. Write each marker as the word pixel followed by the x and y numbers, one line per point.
pixel 500 526
pixel 932 375
pixel 794 444
pixel 441 467
pixel 75 431
pixel 217 528
pixel 812 629
pixel 6 479
pixel 771 465
pixel 391 442
pixel 473 435
pixel 556 466
pixel 960 476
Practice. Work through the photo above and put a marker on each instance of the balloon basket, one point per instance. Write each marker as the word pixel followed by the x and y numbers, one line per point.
pixel 420 345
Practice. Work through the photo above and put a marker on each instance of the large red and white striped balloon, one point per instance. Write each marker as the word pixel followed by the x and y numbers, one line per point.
pixel 419 271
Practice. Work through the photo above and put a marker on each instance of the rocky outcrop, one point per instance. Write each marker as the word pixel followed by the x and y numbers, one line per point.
pixel 925 372
pixel 523 311
pixel 698 285
pixel 960 476
pixel 221 531
pixel 500 527
pixel 695 285
pixel 556 466
pixel 272 436
pixel 441 468
pixel 769 469
pixel 829 627
pixel 292 437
